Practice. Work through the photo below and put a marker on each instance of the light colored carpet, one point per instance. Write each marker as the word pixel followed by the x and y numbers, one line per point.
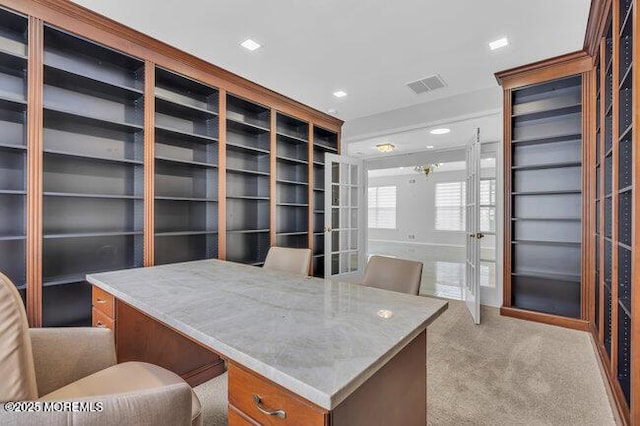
pixel 511 372
pixel 502 372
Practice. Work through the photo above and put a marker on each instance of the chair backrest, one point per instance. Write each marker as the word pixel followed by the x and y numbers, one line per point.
pixel 17 371
pixel 285 259
pixel 393 274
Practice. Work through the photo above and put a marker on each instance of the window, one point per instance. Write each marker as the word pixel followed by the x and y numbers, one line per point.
pixel 382 207
pixel 488 205
pixel 450 206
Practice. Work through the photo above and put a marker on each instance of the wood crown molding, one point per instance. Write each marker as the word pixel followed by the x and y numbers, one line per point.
pixel 536 72
pixel 50 11
pixel 596 25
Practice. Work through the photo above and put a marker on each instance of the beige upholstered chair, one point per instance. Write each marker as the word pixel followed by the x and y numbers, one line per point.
pixel 79 365
pixel 292 260
pixel 393 274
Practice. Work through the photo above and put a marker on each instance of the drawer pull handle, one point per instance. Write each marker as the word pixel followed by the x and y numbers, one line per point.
pixel 264 410
pixel 101 301
pixel 100 324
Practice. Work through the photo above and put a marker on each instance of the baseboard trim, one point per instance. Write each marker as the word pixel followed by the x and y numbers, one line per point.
pixel 572 323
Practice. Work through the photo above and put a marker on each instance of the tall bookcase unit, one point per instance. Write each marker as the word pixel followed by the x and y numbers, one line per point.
pixel 93 170
pixel 13 147
pixel 545 140
pixel 615 169
pixel 248 171
pixel 292 182
pixel 324 141
pixel 186 169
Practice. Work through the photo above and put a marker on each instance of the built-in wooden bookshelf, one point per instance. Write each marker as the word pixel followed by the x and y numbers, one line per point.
pixel 615 165
pixel 13 147
pixel 324 141
pixel 186 169
pixel 292 182
pixel 93 170
pixel 248 181
pixel 119 151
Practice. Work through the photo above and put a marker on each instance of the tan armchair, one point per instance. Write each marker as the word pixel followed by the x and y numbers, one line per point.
pixel 79 365
pixel 296 261
pixel 393 274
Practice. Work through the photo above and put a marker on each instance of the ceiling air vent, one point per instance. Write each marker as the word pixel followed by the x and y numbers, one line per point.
pixel 427 84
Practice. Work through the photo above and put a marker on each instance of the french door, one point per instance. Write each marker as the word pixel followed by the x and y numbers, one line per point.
pixel 472 217
pixel 343 213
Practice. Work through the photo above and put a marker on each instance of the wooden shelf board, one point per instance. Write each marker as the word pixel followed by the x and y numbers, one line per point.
pixel 94 119
pixel 186 106
pixel 240 147
pixel 247 231
pixel 291 182
pixel 548 113
pixel 564 137
pixel 297 139
pixel 12 146
pixel 190 135
pixel 548 243
pixel 194 199
pixel 186 162
pixel 184 233
pixel 85 195
pixel 248 197
pixel 559 192
pixel 624 134
pixel 92 157
pixel 130 93
pixel 248 125
pixel 291 160
pixel 560 165
pixel 548 276
pixel 12 237
pixel 244 171
pixel 91 234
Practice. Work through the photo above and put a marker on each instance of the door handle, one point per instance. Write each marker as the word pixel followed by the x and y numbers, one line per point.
pixel 477 236
pixel 328 229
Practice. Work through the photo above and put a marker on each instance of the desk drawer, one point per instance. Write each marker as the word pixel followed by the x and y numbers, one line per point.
pixel 244 387
pixel 236 418
pixel 103 302
pixel 100 320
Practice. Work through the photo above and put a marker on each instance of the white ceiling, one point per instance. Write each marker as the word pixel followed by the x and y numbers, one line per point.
pixel 368 48
pixel 417 140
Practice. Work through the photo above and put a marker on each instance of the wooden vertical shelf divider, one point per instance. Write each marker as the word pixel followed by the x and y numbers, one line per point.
pixel 149 164
pixel 34 167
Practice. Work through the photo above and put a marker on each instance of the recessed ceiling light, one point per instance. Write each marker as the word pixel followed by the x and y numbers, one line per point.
pixel 250 45
pixel 497 44
pixel 340 94
pixel 430 146
pixel 442 131
pixel 385 147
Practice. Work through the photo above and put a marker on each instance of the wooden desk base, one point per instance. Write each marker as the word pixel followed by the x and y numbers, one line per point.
pixel 142 338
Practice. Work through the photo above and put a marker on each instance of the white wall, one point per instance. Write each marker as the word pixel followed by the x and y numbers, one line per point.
pixel 415 213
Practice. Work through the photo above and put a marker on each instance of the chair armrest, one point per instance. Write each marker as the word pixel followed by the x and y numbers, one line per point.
pixel 64 355
pixel 166 405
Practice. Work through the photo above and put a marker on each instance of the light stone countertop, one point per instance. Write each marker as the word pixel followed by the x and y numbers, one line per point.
pixel 320 339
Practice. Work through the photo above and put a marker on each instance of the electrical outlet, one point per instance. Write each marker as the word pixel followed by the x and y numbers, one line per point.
pixel 412 181
pixel 411 236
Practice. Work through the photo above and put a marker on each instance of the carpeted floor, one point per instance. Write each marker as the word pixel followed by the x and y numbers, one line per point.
pixel 502 372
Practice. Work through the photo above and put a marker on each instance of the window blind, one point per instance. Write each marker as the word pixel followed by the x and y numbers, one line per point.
pixel 450 206
pixel 382 207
